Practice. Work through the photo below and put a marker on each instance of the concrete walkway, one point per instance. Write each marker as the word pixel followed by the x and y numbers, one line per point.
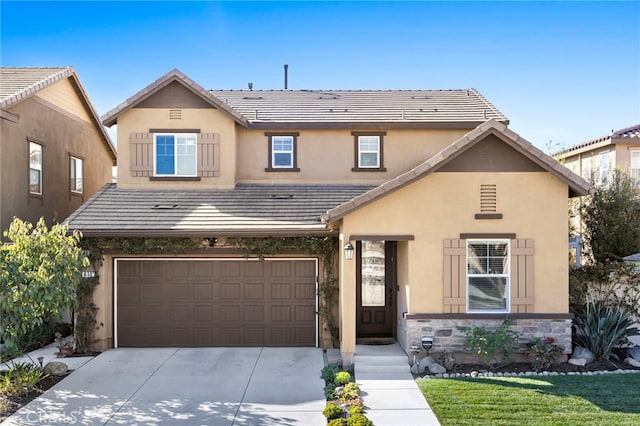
pixel 186 386
pixel 391 395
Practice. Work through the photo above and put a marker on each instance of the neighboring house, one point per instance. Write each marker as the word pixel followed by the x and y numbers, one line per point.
pixel 54 152
pixel 620 149
pixel 454 219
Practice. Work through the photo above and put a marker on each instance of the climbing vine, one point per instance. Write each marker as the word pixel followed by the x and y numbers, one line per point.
pixel 323 247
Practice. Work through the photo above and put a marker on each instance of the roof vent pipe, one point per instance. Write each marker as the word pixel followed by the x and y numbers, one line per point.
pixel 250 85
pixel 286 76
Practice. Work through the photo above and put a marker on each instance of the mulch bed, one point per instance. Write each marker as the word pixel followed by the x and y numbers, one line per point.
pixel 11 404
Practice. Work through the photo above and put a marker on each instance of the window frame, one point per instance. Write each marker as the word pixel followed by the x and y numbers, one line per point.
pixel 357 163
pixel 40 170
pixel 176 155
pixel 605 168
pixel 634 153
pixel 293 165
pixel 74 160
pixel 506 275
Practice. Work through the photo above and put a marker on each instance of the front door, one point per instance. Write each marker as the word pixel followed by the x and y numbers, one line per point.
pixel 376 283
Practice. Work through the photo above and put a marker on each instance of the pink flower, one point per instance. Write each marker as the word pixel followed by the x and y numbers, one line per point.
pixel 549 340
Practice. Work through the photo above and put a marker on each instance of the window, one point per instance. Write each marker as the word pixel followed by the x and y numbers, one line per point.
pixel 604 168
pixel 75 175
pixel 635 165
pixel 487 275
pixel 175 154
pixel 368 151
pixel 35 168
pixel 282 152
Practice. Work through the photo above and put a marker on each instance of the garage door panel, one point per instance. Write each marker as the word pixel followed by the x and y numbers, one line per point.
pixel 216 302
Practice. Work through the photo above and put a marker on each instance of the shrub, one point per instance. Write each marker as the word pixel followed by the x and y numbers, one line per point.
pixel 359 420
pixel 328 373
pixel 21 378
pixel 350 391
pixel 342 377
pixel 493 348
pixel 332 411
pixel 543 352
pixel 601 328
pixel 337 422
pixel 356 409
pixel 329 390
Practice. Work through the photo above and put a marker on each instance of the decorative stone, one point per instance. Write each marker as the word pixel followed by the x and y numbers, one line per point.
pixel 55 368
pixel 474 374
pixel 436 368
pixel 634 352
pixel 584 353
pixel 415 369
pixel 632 362
pixel 578 361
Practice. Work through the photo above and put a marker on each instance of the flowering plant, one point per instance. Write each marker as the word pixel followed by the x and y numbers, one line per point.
pixel 544 352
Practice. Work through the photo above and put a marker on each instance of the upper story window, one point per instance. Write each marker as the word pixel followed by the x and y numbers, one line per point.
pixel 35 168
pixel 604 168
pixel 175 154
pixel 76 176
pixel 487 276
pixel 369 151
pixel 635 165
pixel 282 152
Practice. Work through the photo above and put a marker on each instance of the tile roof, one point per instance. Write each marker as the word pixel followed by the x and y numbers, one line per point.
pixel 359 106
pixel 629 134
pixel 465 108
pixel 577 185
pixel 18 84
pixel 246 210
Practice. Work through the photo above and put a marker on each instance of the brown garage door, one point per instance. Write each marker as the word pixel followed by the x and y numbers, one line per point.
pixel 215 302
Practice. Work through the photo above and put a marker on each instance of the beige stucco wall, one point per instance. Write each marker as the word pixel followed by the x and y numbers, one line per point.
pixel 327 156
pixel 441 206
pixel 63 95
pixel 61 133
pixel 623 155
pixel 208 120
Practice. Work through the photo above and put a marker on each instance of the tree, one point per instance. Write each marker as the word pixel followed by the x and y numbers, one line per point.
pixel 612 218
pixel 39 273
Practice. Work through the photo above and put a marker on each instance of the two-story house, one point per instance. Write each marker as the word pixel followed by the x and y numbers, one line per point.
pixel 444 216
pixel 54 152
pixel 620 149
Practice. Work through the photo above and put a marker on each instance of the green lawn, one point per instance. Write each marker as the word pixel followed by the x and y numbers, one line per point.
pixel 608 399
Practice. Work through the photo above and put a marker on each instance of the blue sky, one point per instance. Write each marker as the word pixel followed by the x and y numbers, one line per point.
pixel 563 72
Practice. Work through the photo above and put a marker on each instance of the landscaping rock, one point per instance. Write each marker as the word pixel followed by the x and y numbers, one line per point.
pixel 583 353
pixel 634 352
pixel 415 369
pixel 578 361
pixel 425 363
pixel 436 368
pixel 632 362
pixel 55 368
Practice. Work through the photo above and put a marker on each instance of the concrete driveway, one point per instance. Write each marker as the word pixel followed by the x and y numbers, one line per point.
pixel 187 386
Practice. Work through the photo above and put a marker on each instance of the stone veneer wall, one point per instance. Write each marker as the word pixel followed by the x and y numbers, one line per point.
pixel 449 334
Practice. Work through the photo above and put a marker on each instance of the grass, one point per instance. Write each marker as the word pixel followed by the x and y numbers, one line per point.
pixel 608 399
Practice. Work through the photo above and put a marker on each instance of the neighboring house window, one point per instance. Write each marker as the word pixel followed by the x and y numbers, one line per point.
pixel 487 275
pixel 369 151
pixel 75 175
pixel 604 168
pixel 35 168
pixel 282 152
pixel 175 154
pixel 635 165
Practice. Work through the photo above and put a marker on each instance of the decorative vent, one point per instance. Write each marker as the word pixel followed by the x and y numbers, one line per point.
pixel 488 198
pixel 488 202
pixel 175 114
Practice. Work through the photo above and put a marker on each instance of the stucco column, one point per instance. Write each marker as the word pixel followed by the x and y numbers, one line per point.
pixel 347 305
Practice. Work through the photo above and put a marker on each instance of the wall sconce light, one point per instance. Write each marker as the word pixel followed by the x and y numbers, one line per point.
pixel 427 343
pixel 348 251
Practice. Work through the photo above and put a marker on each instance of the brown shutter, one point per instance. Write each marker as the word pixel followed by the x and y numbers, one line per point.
pixel 141 154
pixel 209 154
pixel 455 276
pixel 522 276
